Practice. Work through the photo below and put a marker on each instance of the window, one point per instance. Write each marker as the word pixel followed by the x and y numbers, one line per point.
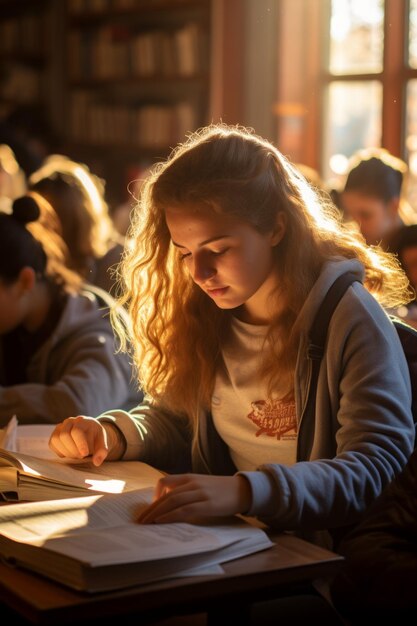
pixel 370 83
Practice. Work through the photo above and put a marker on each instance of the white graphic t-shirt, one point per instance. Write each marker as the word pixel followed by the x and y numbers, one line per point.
pixel 257 429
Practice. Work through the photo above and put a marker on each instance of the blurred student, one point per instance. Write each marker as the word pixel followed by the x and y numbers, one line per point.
pixel 78 198
pixel 232 254
pixel 372 197
pixel 57 346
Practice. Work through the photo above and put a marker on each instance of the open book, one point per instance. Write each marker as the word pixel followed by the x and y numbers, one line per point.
pixel 94 544
pixel 29 470
pixel 25 477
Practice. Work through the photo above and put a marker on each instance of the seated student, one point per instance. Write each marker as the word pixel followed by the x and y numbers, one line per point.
pixel 57 348
pixel 77 196
pixel 379 577
pixel 372 197
pixel 233 252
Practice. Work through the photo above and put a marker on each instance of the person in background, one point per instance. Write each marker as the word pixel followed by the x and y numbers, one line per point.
pixel 57 347
pixel 378 579
pixel 372 197
pixel 78 198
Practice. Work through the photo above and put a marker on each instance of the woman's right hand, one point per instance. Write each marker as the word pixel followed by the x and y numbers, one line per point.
pixel 79 437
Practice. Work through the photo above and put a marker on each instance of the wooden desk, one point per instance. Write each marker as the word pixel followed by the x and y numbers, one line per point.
pixel 281 570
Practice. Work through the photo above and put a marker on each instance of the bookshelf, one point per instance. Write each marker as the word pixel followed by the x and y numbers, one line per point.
pixel 24 53
pixel 120 81
pixel 137 79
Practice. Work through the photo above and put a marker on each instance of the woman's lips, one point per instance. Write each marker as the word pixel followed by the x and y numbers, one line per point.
pixel 219 291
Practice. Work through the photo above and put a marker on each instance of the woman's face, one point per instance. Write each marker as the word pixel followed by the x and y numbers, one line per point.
pixel 228 259
pixel 374 217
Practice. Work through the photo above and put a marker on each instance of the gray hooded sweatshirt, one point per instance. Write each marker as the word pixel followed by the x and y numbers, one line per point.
pixel 360 438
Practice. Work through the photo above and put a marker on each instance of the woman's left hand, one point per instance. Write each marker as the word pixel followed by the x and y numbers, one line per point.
pixel 184 497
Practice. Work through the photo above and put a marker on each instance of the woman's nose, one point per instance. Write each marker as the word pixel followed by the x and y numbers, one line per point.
pixel 202 271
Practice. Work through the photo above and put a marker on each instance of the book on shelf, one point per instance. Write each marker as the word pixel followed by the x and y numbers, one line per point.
pixel 94 543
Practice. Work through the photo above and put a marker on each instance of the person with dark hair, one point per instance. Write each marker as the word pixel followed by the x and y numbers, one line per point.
pixel 372 197
pixel 57 346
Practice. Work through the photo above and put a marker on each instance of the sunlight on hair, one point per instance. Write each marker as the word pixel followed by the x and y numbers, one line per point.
pixel 85 179
pixel 378 153
pixel 326 220
pixel 8 160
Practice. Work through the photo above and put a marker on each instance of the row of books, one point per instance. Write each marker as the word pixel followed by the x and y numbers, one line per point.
pixel 145 126
pixel 22 35
pixel 117 51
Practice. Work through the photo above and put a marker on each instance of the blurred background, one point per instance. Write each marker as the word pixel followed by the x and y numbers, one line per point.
pixel 115 84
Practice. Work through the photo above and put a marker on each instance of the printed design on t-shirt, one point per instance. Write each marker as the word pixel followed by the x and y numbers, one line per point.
pixel 274 418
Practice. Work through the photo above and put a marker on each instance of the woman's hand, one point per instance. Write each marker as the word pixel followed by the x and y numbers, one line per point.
pixel 79 437
pixel 184 497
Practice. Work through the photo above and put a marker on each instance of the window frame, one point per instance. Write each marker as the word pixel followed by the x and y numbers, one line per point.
pixel 394 78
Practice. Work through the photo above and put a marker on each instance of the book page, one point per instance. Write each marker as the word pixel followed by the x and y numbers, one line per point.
pixel 33 439
pixel 38 520
pixel 101 530
pixel 8 434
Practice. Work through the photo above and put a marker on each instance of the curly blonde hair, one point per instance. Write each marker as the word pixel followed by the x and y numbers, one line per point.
pixel 176 329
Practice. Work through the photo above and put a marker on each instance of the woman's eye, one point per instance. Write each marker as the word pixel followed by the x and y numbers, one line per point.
pixel 187 255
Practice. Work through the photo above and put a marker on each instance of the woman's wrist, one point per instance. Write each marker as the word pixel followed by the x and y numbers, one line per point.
pixel 115 441
pixel 245 494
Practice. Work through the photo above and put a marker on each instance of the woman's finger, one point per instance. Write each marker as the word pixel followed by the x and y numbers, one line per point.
pixel 170 501
pixel 167 483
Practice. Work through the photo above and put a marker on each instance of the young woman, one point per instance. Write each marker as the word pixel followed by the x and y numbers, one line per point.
pixel 232 254
pixel 57 346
